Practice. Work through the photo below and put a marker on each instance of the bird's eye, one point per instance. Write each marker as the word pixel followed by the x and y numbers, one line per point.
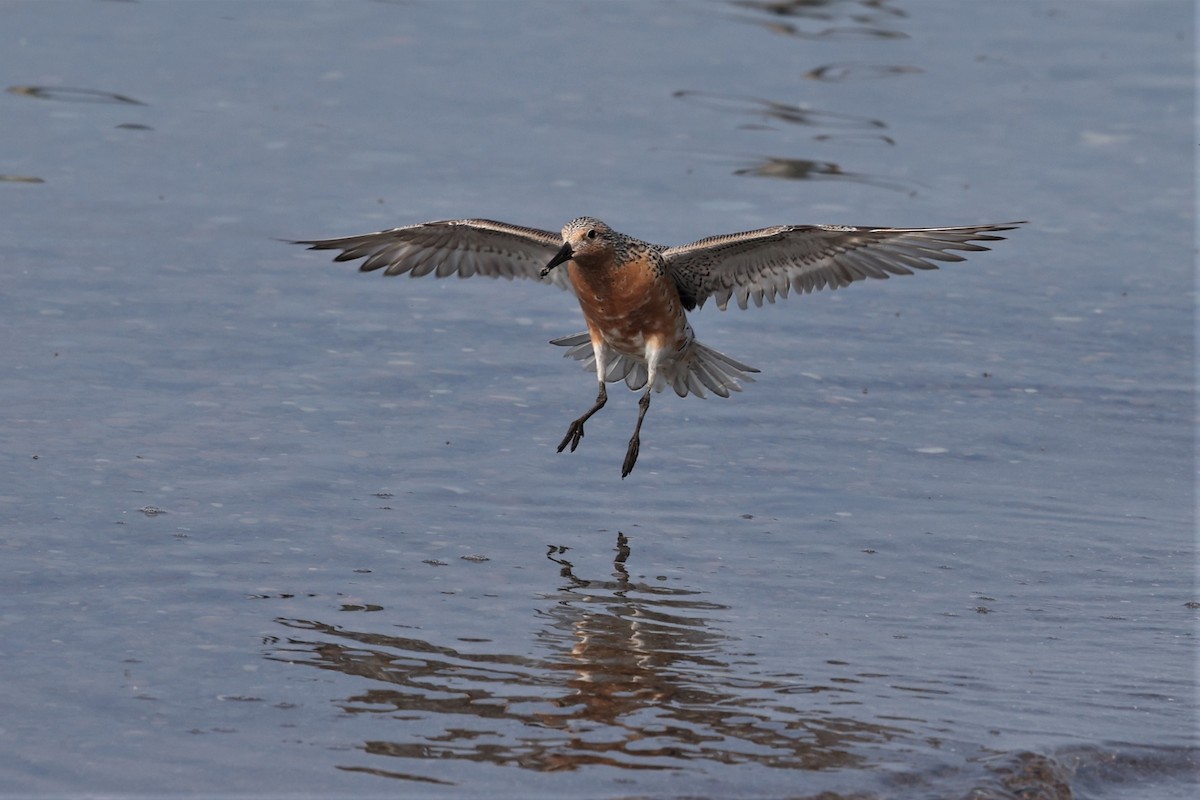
pixel 591 234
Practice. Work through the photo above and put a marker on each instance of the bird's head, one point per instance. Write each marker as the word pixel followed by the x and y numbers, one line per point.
pixel 585 240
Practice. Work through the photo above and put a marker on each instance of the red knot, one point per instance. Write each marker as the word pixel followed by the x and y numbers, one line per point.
pixel 635 295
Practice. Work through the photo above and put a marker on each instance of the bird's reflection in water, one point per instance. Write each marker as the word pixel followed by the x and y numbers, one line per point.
pixel 625 644
pixel 624 673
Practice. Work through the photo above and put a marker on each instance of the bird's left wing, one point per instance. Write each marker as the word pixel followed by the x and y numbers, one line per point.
pixel 758 265
pixel 462 247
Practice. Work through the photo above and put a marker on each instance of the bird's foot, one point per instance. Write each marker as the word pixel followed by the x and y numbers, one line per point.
pixel 631 456
pixel 574 434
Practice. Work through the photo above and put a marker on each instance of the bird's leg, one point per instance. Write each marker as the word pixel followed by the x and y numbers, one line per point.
pixel 635 442
pixel 575 432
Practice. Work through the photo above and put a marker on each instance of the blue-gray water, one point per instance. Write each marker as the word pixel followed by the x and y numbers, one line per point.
pixel 272 527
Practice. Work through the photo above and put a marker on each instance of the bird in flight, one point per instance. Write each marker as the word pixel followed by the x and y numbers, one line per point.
pixel 635 295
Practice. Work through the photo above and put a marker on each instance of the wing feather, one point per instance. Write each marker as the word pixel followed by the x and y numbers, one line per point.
pixel 762 264
pixel 463 247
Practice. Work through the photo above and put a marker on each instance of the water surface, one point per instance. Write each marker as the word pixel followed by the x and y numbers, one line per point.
pixel 272 527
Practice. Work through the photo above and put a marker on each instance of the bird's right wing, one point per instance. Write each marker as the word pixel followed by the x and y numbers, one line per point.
pixel 462 247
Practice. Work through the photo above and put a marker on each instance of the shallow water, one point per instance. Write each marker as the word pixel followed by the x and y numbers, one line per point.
pixel 274 527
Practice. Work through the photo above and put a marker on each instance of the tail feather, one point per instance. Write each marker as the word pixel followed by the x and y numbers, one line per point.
pixel 702 367
pixel 701 370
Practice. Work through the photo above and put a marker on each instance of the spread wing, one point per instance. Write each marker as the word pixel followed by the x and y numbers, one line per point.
pixel 462 247
pixel 758 265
